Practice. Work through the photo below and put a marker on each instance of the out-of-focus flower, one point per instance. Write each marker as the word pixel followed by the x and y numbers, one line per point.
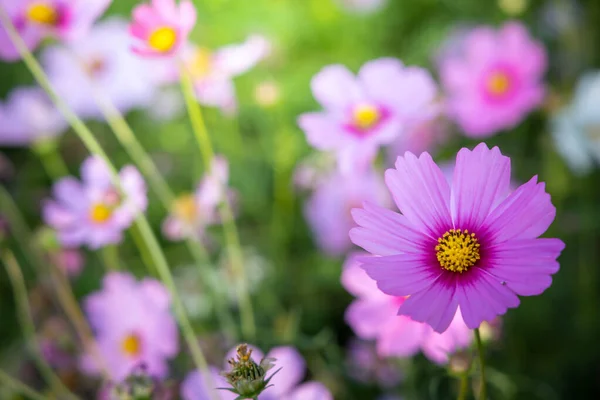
pixel 328 209
pixel 495 80
pixel 267 93
pixel 427 136
pixel 374 315
pixel 192 213
pixel 362 6
pixel 36 19
pixel 469 244
pixel 205 386
pixel 313 170
pixel 56 344
pixel 100 62
pixel 362 113
pixel 27 116
pixel 71 261
pixel 256 268
pixel 133 326
pixel 162 27
pixel 365 365
pixel 576 128
pixel 94 212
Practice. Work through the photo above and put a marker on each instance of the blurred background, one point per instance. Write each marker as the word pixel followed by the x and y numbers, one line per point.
pixel 547 348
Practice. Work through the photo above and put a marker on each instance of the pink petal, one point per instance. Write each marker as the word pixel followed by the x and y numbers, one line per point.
pixel 400 337
pixel 292 372
pixel 421 192
pixel 355 280
pixel 367 316
pixel 437 346
pixel 322 130
pixel 69 192
pixel 187 16
pixel 481 179
pixel 335 87
pixel 435 305
pixel 310 391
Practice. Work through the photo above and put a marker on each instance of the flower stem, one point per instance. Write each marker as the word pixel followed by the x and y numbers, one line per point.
pixel 27 325
pixel 229 225
pixel 482 393
pixel 110 258
pixel 463 387
pixel 18 386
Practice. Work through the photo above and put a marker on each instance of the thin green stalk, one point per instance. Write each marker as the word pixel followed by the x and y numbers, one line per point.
pixel 479 344
pixel 27 325
pixel 87 137
pixel 229 226
pixel 110 258
pixel 463 387
pixel 18 386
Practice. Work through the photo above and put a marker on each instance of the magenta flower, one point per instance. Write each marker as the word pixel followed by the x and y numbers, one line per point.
pixel 495 81
pixel 362 113
pixel 94 212
pixel 373 315
pixel 328 209
pixel 28 116
pixel 162 27
pixel 133 326
pixel 37 19
pixel 468 244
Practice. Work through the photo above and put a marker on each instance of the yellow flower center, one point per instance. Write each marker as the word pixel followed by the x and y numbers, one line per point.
pixel 163 39
pixel 200 64
pixel 498 84
pixel 185 208
pixel 365 116
pixel 132 345
pixel 100 213
pixel 42 13
pixel 457 250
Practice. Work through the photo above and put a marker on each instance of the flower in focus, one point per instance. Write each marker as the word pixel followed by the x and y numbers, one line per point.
pixel 373 315
pixel 100 63
pixel 27 116
pixel 495 80
pixel 576 128
pixel 192 213
pixel 133 326
pixel 467 244
pixel 37 19
pixel 365 365
pixel 328 209
pixel 362 113
pixel 363 6
pixel 94 212
pixel 162 27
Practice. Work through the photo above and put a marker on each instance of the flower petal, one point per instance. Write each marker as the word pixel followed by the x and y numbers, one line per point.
pixel 436 305
pixel 309 391
pixel 335 87
pixel 292 372
pixel 322 130
pixel 367 316
pixel 400 337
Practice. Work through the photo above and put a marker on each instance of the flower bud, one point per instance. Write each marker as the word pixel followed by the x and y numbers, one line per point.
pixel 246 377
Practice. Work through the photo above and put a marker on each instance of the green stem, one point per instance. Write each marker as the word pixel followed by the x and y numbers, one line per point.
pixel 479 344
pixel 110 258
pixel 51 159
pixel 229 225
pixel 27 325
pixel 18 386
pixel 463 387
pixel 87 137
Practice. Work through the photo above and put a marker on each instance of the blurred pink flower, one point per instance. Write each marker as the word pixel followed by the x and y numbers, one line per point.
pixel 93 212
pixel 365 365
pixel 27 116
pixel 162 27
pixel 328 209
pixel 426 136
pixel 468 244
pixel 71 261
pixel 286 383
pixel 37 19
pixel 495 79
pixel 362 113
pixel 374 315
pixel 100 63
pixel 191 213
pixel 133 326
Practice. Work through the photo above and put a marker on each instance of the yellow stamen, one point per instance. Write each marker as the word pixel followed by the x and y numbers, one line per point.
pixel 457 250
pixel 100 213
pixel 184 207
pixel 131 345
pixel 365 116
pixel 498 84
pixel 200 63
pixel 42 13
pixel 163 39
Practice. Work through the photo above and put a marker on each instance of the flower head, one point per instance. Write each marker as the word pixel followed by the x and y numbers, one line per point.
pixel 373 315
pixel 495 80
pixel 362 113
pixel 94 212
pixel 162 27
pixel 467 244
pixel 133 325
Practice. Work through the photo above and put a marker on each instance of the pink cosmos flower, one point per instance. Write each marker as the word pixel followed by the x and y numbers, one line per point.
pixel 71 261
pixel 467 244
pixel 286 383
pixel 495 80
pixel 373 315
pixel 362 113
pixel 28 116
pixel 133 326
pixel 162 27
pixel 93 212
pixel 328 209
pixel 37 19
pixel 192 213
pixel 100 62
